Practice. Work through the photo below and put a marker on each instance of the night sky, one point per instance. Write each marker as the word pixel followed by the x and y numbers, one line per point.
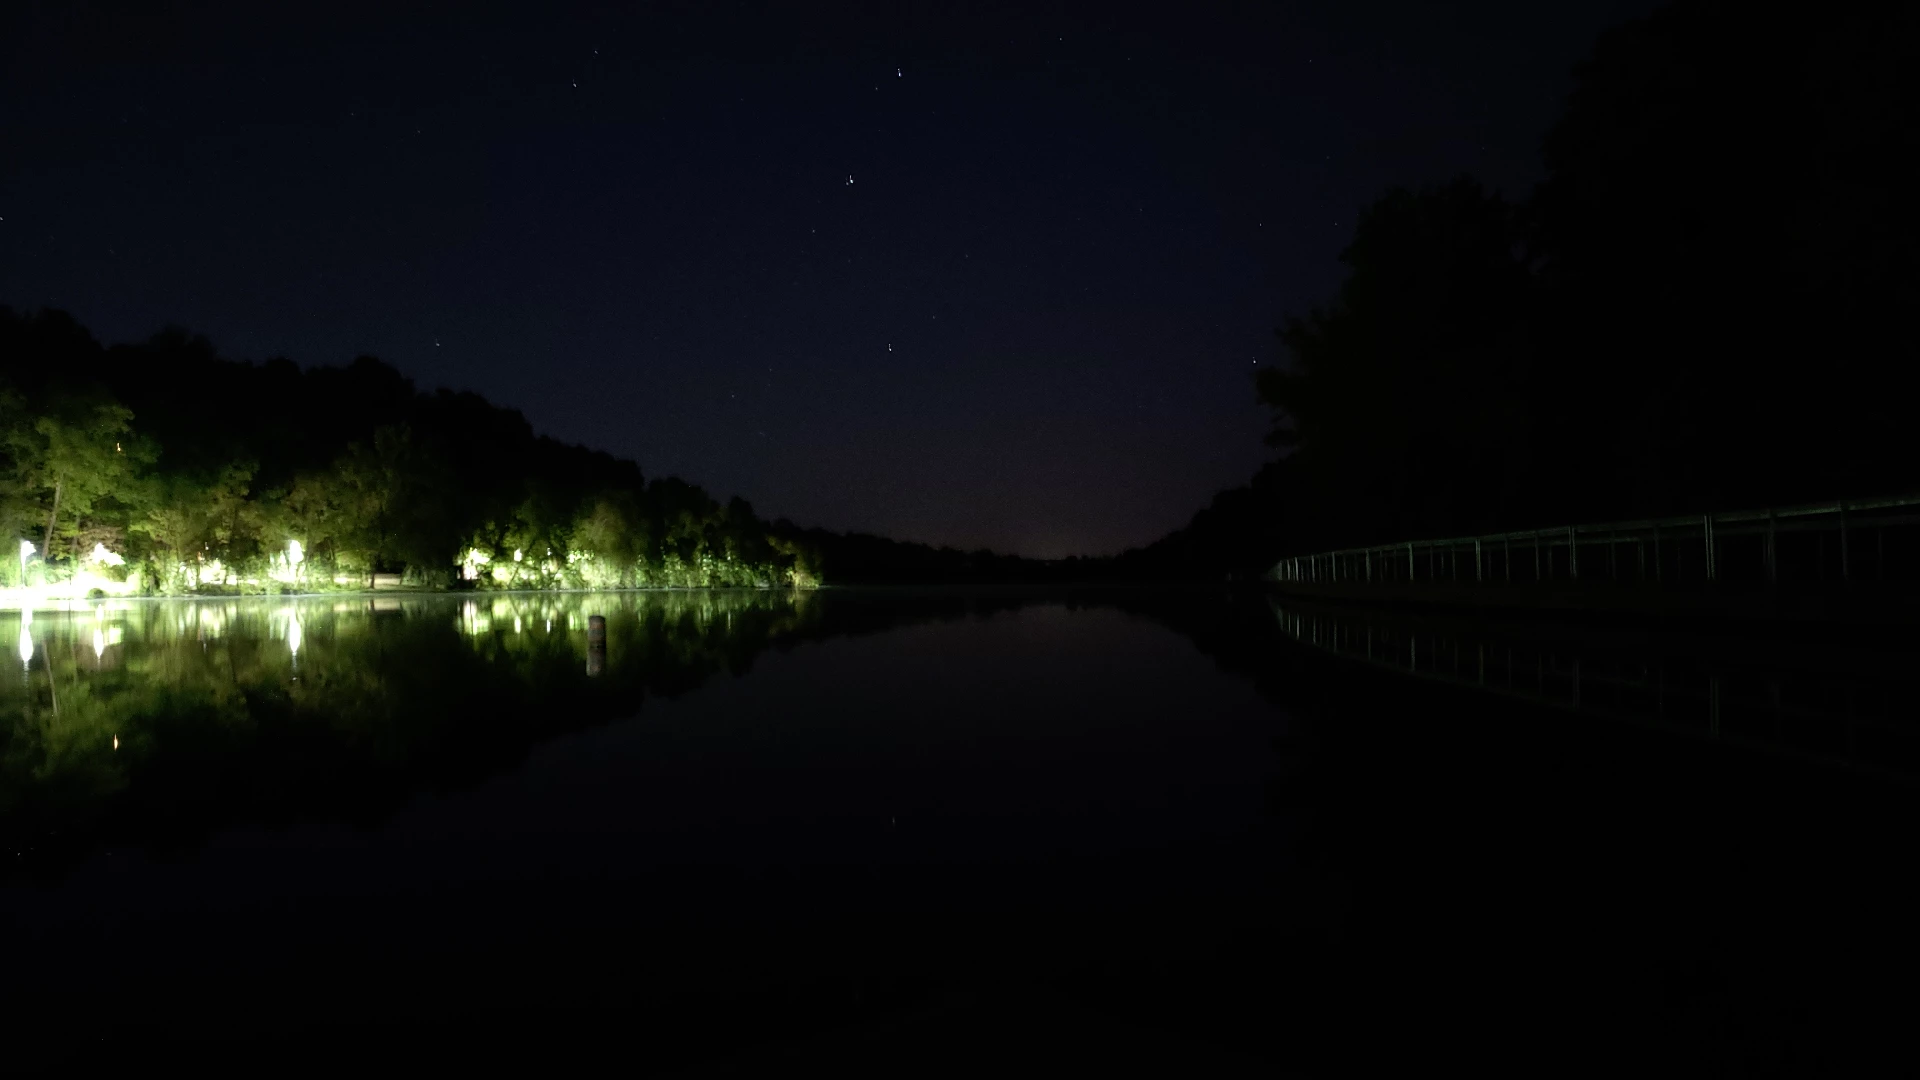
pixel 968 278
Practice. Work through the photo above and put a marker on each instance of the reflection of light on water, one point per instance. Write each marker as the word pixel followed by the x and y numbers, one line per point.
pixel 294 637
pixel 99 643
pixel 116 742
pixel 26 637
pixel 516 624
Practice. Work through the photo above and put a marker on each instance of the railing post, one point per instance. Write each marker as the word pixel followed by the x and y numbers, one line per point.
pixel 1506 556
pixel 1656 553
pixel 1573 551
pixel 1536 556
pixel 1613 554
pixel 1411 575
pixel 1706 529
pixel 1479 573
pixel 1369 558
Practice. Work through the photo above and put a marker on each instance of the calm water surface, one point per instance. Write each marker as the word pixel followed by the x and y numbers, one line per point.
pixel 899 830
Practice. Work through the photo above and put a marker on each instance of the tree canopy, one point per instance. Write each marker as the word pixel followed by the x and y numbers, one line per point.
pixel 162 467
pixel 1706 304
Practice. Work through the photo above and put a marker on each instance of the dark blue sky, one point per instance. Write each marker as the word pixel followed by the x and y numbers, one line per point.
pixel 1029 322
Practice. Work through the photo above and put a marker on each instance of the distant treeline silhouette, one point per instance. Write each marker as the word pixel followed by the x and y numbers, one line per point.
pixel 1709 302
pixel 199 473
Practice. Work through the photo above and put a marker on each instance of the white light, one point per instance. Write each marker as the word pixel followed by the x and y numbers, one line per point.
pixel 294 637
pixel 116 742
pixel 295 553
pixel 99 643
pixel 26 639
pixel 516 554
pixel 26 549
pixel 102 555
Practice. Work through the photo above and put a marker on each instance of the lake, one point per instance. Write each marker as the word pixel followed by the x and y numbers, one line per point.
pixel 938 830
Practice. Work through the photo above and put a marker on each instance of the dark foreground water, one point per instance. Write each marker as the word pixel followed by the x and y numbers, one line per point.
pixel 905 833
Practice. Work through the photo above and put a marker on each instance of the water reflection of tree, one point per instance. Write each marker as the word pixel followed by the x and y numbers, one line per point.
pixel 209 713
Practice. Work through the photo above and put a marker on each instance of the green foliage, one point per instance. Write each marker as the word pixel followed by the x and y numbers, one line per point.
pixel 74 464
pixel 365 475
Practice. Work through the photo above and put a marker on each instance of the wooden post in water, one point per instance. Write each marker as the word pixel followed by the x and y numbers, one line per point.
pixel 596 644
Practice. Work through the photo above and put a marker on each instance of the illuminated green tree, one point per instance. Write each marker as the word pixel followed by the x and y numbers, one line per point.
pixel 69 466
pixel 192 523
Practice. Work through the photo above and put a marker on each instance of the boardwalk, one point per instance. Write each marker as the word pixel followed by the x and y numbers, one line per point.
pixel 1840 560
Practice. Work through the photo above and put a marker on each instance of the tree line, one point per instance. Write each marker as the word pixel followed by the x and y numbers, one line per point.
pixel 1707 303
pixel 161 467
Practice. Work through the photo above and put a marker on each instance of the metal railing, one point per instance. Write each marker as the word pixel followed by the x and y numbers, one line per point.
pixel 1658 550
